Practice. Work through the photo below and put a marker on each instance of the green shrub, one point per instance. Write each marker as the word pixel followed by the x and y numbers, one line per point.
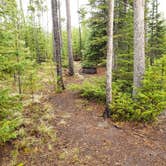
pixel 149 102
pixel 93 89
pixel 10 117
pixel 89 64
pixel 102 63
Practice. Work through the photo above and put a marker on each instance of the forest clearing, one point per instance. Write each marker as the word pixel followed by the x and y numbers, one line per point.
pixel 89 94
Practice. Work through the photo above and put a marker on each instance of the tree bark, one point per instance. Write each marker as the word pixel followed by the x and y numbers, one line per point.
pixel 22 11
pixel 56 45
pixel 69 35
pixel 79 28
pixel 139 44
pixel 110 53
pixel 60 25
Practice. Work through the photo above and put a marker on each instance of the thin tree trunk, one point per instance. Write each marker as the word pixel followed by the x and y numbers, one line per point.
pixel 79 28
pixel 17 58
pixel 56 45
pixel 22 11
pixel 69 34
pixel 146 24
pixel 116 31
pixel 32 16
pixel 38 23
pixel 110 53
pixel 152 34
pixel 139 44
pixel 60 25
pixel 19 77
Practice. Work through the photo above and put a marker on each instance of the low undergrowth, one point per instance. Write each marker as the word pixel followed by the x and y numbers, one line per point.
pixel 91 89
pixel 10 116
pixel 149 102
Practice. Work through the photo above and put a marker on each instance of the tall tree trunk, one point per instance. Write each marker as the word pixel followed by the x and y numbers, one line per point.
pixel 79 28
pixel 60 25
pixel 69 35
pixel 17 57
pixel 22 11
pixel 116 32
pixel 139 44
pixel 110 53
pixel 56 45
pixel 38 23
pixel 146 24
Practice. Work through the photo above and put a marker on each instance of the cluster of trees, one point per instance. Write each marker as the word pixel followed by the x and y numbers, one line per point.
pixel 24 45
pixel 126 36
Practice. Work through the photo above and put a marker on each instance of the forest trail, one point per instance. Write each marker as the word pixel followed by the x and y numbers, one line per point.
pixel 83 137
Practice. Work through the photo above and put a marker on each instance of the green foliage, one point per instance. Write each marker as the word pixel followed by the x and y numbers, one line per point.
pixel 149 102
pixel 10 117
pixel 93 89
pixel 123 45
pixel 95 48
pixel 30 80
pixel 23 43
pixel 76 43
pixel 102 63
pixel 37 40
pixel 96 42
pixel 89 64
pixel 156 32
pixel 75 46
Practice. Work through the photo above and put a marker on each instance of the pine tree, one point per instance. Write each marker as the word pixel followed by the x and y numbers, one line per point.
pixel 156 33
pixel 123 45
pixel 97 42
pixel 35 36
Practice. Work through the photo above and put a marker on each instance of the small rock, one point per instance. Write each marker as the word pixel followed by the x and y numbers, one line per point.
pixel 103 124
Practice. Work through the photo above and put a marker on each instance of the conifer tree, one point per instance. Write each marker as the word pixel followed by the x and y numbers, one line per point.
pixel 123 45
pixel 156 33
pixel 97 23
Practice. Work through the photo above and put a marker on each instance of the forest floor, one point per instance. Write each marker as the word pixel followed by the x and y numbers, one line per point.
pixel 66 130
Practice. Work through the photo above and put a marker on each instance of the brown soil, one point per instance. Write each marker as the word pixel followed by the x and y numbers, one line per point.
pixel 84 138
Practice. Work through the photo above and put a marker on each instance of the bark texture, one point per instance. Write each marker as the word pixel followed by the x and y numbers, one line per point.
pixel 69 36
pixel 79 27
pixel 139 44
pixel 60 25
pixel 110 53
pixel 56 45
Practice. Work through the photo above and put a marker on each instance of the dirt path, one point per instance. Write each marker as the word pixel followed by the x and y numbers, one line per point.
pixel 83 138
pixel 96 142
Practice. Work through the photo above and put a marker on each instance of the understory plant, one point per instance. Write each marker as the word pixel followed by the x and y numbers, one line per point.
pixel 10 116
pixel 146 106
